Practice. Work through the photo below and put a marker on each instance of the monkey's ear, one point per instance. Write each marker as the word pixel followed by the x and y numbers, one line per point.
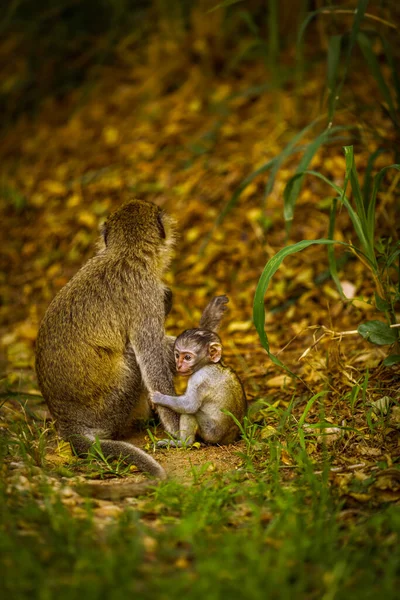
pixel 161 225
pixel 215 352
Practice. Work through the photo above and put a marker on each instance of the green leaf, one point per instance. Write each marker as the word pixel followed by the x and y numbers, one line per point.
pixel 393 257
pixel 393 359
pixel 310 17
pixel 352 213
pixel 351 174
pixel 371 206
pixel 334 46
pixel 293 186
pixel 269 270
pixel 234 199
pixel 224 4
pixel 368 175
pixel 381 304
pixel 309 406
pixel 284 154
pixel 378 332
pixel 331 250
pixel 393 66
pixel 366 47
pixel 358 17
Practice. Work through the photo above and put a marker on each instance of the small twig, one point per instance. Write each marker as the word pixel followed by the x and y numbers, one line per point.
pixel 351 12
pixel 335 335
pixel 342 469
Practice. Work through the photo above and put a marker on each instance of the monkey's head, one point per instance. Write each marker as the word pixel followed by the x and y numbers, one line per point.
pixel 142 229
pixel 195 348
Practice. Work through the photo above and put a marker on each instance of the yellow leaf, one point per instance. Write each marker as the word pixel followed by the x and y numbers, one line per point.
pixel 55 188
pixel 239 326
pixel 285 458
pixel 193 234
pixel 108 510
pixel 74 201
pixel 150 544
pixel 195 105
pixel 360 497
pixel 27 330
pixel 110 136
pixel 362 304
pixel 182 563
pixel 278 381
pixel 53 270
pixel 64 449
pixel 267 432
pixel 88 219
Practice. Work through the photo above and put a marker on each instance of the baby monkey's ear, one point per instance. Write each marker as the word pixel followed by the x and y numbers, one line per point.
pixel 215 352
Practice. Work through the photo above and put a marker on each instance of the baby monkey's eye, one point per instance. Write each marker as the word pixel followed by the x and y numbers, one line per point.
pixel 187 357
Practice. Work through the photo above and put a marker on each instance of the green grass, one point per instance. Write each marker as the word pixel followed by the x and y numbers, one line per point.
pixel 262 532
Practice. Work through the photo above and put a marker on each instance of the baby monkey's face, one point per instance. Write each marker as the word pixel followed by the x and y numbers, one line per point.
pixel 195 350
pixel 186 361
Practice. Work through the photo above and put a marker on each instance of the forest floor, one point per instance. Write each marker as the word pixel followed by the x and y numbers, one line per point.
pixel 188 150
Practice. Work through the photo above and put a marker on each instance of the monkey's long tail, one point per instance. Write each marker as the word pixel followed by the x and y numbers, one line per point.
pixel 132 455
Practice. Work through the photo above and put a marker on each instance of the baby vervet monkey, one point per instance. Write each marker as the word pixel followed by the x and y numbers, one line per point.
pixel 212 388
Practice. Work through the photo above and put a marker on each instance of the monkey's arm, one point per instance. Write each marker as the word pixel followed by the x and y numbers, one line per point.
pixel 187 404
pixel 169 343
pixel 168 298
pixel 155 364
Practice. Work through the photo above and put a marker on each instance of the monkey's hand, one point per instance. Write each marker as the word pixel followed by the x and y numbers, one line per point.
pixel 156 397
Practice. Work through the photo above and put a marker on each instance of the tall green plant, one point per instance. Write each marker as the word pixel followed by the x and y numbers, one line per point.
pixel 339 56
pixel 362 215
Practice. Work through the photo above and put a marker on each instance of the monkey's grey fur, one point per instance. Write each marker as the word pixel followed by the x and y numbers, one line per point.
pixel 212 389
pixel 101 346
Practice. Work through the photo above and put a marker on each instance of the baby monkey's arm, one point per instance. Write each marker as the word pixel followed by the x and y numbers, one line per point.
pixel 187 404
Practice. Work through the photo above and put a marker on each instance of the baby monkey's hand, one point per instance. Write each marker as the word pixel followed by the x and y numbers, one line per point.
pixel 155 397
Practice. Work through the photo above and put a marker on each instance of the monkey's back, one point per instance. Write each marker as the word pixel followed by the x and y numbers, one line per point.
pixel 83 341
pixel 221 390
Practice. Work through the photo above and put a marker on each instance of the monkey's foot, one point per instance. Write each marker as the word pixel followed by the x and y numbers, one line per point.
pixel 177 444
pixel 170 444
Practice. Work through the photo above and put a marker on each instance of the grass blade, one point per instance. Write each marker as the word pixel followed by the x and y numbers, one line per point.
pixel 310 17
pixel 351 173
pixel 235 197
pixel 366 48
pixel 273 36
pixel 352 213
pixel 371 206
pixel 269 270
pixel 331 250
pixel 392 64
pixel 368 176
pixel 292 189
pixel 334 48
pixel 308 407
pixel 223 4
pixel 289 149
pixel 358 17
